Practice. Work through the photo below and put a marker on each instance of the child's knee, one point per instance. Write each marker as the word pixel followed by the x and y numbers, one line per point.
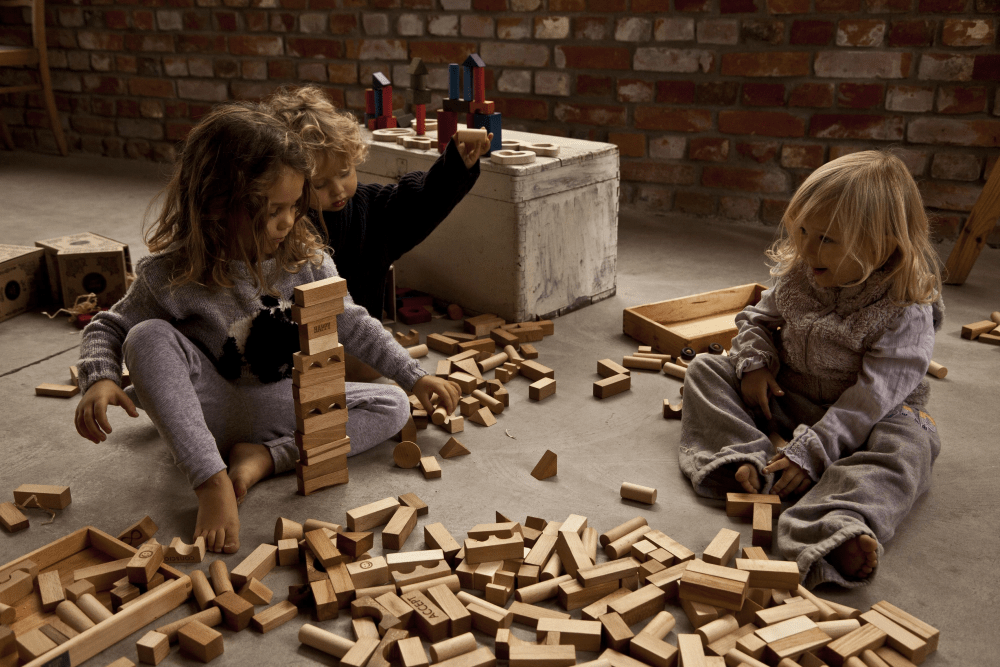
pixel 397 407
pixel 146 334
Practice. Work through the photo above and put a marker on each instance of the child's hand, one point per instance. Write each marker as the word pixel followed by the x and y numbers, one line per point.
pixel 448 391
pixel 470 152
pixel 794 479
pixel 92 411
pixel 755 387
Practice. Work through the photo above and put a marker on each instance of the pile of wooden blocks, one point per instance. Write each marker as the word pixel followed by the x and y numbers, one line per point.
pixel 750 611
pixel 318 387
pixel 45 497
pixel 987 331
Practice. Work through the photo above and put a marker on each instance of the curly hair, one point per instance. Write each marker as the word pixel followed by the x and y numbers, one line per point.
pixel 215 205
pixel 323 129
pixel 873 199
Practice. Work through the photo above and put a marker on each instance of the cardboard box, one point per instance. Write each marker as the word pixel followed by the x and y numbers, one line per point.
pixel 694 321
pixel 23 281
pixel 85 263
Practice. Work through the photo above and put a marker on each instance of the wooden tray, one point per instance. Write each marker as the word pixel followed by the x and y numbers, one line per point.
pixel 694 321
pixel 83 548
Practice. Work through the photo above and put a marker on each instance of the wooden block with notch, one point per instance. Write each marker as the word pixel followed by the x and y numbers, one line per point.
pixel 396 532
pixel 48 496
pixel 179 552
pixel 200 641
pixel 547 466
pixel 541 389
pixel 612 385
pixel 408 340
pixel 673 410
pixel 371 515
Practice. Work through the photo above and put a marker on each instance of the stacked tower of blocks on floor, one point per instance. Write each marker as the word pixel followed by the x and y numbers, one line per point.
pixel 470 100
pixel 378 103
pixel 319 386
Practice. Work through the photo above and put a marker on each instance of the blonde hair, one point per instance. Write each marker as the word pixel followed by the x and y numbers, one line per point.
pixel 323 129
pixel 215 205
pixel 872 199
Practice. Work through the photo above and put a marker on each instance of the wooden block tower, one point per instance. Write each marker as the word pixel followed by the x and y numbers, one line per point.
pixel 421 94
pixel 318 387
pixel 482 112
pixel 378 103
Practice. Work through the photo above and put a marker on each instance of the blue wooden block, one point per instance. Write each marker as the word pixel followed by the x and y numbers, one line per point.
pixel 467 83
pixel 492 123
pixel 454 74
pixel 378 103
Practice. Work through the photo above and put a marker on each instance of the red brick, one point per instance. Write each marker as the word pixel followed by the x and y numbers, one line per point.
pixel 722 93
pixel 737 6
pixel 943 6
pixel 591 114
pixel 490 5
pixel 178 131
pixel 101 126
pixel 946 67
pixel 385 4
pixel 354 49
pixel 150 43
pixel 739 208
pixel 251 45
pixel 708 149
pixel 767 32
pixel 201 44
pixel 635 90
pixel 567 5
pixel 673 120
pixel 116 19
pixel 343 24
pixel 100 41
pixel 758 151
pixel 127 108
pixel 418 4
pixel 912 33
pixel 143 20
pixel 742 178
pixel 663 6
pixel 658 172
pixel 198 21
pixel 694 203
pixel 775 63
pixel 860 32
pixel 442 52
pixel 952 132
pixel 528 109
pixel 945 226
pixel 649 197
pixel 593 57
pixel 342 73
pixel 103 85
pixel 764 94
pixel 176 109
pixel 860 95
pixel 812 33
pixel 606 5
pixel 788 6
pixel 148 87
pixel 280 69
pixel 762 123
pixel 594 86
pixel 950 196
pixel 630 144
pixel 256 21
pixel 863 64
pixel 956 167
pixel 812 95
pixel 961 99
pixel 675 92
pixel 772 210
pixel 862 126
pixel 807 156
pixel 885 6
pixel 914 99
pixel 591 27
pixel 986 68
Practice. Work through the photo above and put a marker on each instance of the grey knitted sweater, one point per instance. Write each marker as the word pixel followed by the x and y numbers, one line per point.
pixel 245 334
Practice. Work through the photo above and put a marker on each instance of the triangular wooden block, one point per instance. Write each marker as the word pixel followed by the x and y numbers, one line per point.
pixel 469 366
pixel 453 448
pixel 483 417
pixel 547 465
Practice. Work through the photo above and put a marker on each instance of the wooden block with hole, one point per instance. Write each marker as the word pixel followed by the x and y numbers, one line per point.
pixel 612 385
pixel 494 549
pixel 200 641
pixel 542 389
pixel 547 466
pixel 672 410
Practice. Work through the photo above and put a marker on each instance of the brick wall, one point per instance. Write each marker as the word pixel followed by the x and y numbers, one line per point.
pixel 719 107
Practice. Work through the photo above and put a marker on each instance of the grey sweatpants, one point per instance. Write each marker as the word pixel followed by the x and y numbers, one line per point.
pixel 201 415
pixel 868 492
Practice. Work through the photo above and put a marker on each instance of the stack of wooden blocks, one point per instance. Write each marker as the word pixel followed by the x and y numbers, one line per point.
pixel 319 387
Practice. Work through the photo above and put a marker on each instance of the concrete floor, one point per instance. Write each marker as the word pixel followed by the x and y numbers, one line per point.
pixel 942 566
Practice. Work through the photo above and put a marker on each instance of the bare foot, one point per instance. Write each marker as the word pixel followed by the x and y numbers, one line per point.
pixel 747 476
pixel 856 558
pixel 218 517
pixel 248 464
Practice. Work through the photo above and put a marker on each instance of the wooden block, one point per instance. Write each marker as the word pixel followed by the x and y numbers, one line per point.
pixel 33 644
pixel 371 515
pixel 55 634
pixel 152 648
pixel 573 556
pixel 200 641
pixel 356 544
pixel 430 467
pixel 528 351
pixel 541 656
pixel 722 547
pixel 529 614
pixel 459 618
pixel 741 504
pixel 783 612
pixel 288 552
pixel 542 389
pixel 45 495
pixel 144 563
pixel 615 570
pixel 762 525
pixel 452 448
pixel 320 291
pixel 482 325
pixel 910 623
pixel 438 537
pixel 236 612
pixel 274 616
pixel 888 655
pixel 78 588
pixel 411 652
pixel 466 382
pixel 398 529
pixel 210 617
pixel 913 648
pixel 50 590
pixel 638 605
pixel 103 576
pixel 992 339
pixel 255 592
pixel 974 330
pixel 674 370
pixel 11 518
pixel 360 653
pixel 57 390
pixel 325 599
pixel 546 467
pixel 430 620
pixel 837 652
pixel 607 368
pixel 795 645
pixel 403 562
pixel 494 549
pixel 642 363
pixel 323 547
pixel 679 551
pixel 139 532
pixel 369 572
pixel 770 573
pixel 612 385
pixel 653 651
pixel 638 493
pixel 469 367
pixel 584 635
pixel 572 595
pixel 484 347
pixel 690 651
pixel 535 371
pixel 715 585
pixel 483 417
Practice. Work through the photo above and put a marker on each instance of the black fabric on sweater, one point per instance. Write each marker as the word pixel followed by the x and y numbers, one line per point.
pixel 382 222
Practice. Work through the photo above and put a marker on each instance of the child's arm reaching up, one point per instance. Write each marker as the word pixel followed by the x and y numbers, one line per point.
pixel 890 372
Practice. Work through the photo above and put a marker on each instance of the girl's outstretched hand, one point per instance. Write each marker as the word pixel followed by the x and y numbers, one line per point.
pixel 794 479
pixel 91 418
pixel 449 392
pixel 755 387
pixel 471 152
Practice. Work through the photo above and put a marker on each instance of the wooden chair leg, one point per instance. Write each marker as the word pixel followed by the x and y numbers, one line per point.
pixel 50 103
pixel 972 238
pixel 8 141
